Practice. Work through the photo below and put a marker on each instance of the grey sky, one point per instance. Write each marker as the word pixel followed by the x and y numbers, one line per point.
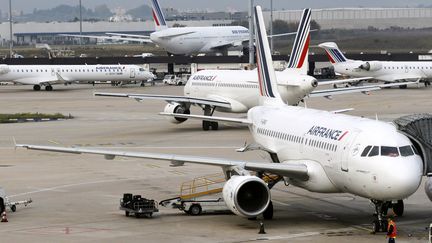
pixel 29 5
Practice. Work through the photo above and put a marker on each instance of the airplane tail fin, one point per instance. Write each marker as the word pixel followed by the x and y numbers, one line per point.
pixel 333 52
pixel 299 53
pixel 158 16
pixel 269 94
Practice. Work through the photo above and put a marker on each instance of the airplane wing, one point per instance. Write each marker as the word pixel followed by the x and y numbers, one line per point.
pixel 171 98
pixel 353 89
pixel 39 81
pixel 176 34
pixel 129 35
pixel 209 118
pixel 342 81
pixel 295 171
pixel 116 38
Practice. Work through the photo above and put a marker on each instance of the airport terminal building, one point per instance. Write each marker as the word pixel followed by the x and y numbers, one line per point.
pixel 335 18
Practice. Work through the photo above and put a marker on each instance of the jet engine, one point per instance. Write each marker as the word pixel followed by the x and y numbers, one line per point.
pixel 176 108
pixel 371 66
pixel 428 187
pixel 246 196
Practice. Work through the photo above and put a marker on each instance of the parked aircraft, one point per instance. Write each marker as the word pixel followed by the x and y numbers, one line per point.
pixel 313 149
pixel 186 40
pixel 235 91
pixel 48 75
pixel 395 71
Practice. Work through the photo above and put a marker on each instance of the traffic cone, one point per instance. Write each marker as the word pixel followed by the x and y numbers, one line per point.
pixel 3 217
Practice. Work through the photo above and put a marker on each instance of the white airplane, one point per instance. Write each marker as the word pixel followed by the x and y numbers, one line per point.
pixel 312 149
pixel 387 71
pixel 235 91
pixel 48 75
pixel 186 40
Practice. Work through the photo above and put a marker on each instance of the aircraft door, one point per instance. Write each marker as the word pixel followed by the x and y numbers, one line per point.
pixel 132 73
pixel 349 149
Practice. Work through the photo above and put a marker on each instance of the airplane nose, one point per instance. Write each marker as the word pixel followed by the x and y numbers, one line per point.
pixel 404 179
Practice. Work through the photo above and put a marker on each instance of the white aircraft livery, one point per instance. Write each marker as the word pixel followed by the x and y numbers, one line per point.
pixel 236 91
pixel 48 75
pixel 316 150
pixel 387 71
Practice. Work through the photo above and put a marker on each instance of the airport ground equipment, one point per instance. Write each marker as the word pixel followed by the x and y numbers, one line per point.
pixel 13 204
pixel 137 205
pixel 196 195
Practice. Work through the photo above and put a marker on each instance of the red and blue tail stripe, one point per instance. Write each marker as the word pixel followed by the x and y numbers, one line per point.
pixel 301 42
pixel 158 14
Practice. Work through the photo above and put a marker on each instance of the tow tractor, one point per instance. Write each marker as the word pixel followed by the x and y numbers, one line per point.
pixel 5 202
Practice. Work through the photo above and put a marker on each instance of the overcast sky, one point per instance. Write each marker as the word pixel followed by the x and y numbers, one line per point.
pixel 29 5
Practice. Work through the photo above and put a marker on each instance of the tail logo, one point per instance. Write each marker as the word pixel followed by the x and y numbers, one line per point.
pixel 158 14
pixel 335 55
pixel 301 42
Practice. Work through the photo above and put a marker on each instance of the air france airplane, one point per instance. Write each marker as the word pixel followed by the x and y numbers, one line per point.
pixel 235 91
pixel 48 75
pixel 185 40
pixel 312 149
pixel 387 71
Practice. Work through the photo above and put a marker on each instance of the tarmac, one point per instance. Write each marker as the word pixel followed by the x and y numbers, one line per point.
pixel 76 197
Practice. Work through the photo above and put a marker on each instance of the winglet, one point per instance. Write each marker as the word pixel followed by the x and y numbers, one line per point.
pixel 269 94
pixel 299 53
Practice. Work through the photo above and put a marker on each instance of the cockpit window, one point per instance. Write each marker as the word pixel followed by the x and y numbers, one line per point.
pixel 406 151
pixel 389 151
pixel 366 151
pixel 415 150
pixel 374 151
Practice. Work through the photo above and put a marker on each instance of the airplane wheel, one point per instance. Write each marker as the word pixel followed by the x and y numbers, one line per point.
pixel 206 125
pixel 36 87
pixel 214 126
pixel 13 208
pixel 398 208
pixel 195 209
pixel 268 213
pixel 375 226
pixel 49 88
pixel 403 86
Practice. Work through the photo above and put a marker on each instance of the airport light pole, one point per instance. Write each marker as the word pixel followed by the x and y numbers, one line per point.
pixel 80 12
pixel 251 34
pixel 10 30
pixel 271 26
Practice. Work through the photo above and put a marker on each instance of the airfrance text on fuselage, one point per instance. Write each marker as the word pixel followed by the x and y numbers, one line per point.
pixel 323 132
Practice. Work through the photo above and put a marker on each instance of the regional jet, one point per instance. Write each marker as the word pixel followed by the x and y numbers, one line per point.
pixel 387 71
pixel 48 75
pixel 235 91
pixel 312 149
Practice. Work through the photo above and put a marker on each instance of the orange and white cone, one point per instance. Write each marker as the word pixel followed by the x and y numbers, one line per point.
pixel 3 217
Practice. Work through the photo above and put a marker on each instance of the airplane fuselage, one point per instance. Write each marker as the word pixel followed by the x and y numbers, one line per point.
pixel 193 40
pixel 240 87
pixel 333 149
pixel 387 71
pixel 57 74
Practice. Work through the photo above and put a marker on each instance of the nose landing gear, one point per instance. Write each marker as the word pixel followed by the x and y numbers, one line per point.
pixel 381 209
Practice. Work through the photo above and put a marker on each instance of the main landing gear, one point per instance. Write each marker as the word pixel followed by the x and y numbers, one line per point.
pixel 381 209
pixel 206 125
pixel 37 87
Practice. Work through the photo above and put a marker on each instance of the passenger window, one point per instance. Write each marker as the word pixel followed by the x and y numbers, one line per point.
pixel 366 151
pixel 389 151
pixel 406 151
pixel 374 151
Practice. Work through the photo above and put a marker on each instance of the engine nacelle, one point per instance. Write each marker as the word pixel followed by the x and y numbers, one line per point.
pixel 176 108
pixel 428 187
pixel 371 66
pixel 246 196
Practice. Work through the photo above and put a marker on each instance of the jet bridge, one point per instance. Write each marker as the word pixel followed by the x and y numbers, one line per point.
pixel 418 127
